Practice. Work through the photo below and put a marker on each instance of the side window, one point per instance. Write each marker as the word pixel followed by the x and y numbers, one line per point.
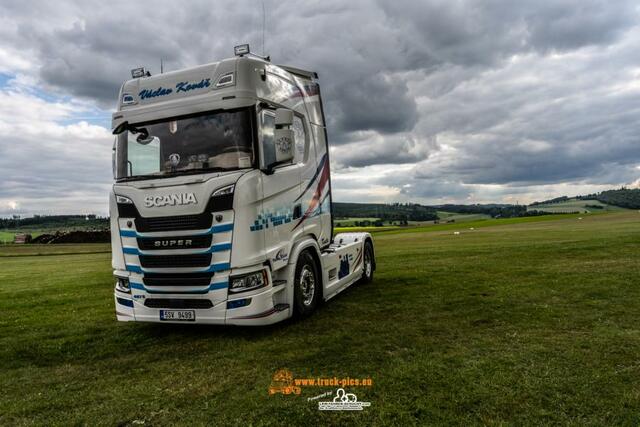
pixel 301 140
pixel 143 159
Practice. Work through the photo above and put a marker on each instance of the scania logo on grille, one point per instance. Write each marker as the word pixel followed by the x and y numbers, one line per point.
pixel 172 243
pixel 170 200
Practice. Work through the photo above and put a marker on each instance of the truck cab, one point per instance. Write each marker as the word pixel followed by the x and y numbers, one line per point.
pixel 221 206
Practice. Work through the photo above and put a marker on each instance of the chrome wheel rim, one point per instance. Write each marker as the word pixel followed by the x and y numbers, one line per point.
pixel 368 265
pixel 307 285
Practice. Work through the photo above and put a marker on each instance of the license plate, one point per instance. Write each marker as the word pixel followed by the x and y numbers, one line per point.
pixel 178 315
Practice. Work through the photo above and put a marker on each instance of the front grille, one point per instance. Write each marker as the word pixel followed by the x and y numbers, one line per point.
pixel 181 242
pixel 177 279
pixel 175 261
pixel 177 303
pixel 174 223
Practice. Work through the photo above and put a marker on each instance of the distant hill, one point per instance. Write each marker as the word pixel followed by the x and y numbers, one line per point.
pixel 494 210
pixel 416 212
pixel 573 205
pixel 623 197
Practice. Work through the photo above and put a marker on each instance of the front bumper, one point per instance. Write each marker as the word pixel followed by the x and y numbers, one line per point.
pixel 259 307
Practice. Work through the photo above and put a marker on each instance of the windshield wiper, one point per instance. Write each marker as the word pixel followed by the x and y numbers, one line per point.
pixel 139 177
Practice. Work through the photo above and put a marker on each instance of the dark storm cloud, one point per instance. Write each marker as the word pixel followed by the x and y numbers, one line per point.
pixel 490 93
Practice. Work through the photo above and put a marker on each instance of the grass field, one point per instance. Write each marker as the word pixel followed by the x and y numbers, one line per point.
pixel 576 205
pixel 523 321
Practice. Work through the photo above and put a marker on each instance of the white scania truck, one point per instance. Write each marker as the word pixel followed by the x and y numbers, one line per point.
pixel 221 207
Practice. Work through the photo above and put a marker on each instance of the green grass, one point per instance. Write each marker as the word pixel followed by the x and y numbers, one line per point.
pixel 576 205
pixel 532 321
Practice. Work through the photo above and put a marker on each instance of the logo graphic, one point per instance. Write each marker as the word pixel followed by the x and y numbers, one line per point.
pixel 343 401
pixel 283 144
pixel 281 256
pixel 282 382
pixel 170 200
pixel 174 159
pixel 172 243
pixel 187 86
pixel 173 126
pixel 344 267
pixel 180 87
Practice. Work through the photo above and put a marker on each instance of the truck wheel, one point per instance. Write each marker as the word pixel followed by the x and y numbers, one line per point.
pixel 367 263
pixel 307 285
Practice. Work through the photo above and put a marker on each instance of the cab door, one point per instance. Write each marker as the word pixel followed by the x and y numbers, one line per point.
pixel 281 187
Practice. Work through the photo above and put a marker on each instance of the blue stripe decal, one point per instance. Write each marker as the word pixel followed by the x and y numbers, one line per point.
pixel 221 228
pixel 212 287
pixel 215 229
pixel 219 285
pixel 130 251
pixel 125 302
pixel 134 268
pixel 220 247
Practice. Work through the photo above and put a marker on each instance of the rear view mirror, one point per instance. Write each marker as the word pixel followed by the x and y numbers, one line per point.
pixel 278 139
pixel 283 135
pixel 284 117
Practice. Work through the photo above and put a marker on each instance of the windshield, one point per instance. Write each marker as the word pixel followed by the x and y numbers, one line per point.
pixel 205 142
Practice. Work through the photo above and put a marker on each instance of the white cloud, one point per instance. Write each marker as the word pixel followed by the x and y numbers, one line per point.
pixel 426 101
pixel 48 166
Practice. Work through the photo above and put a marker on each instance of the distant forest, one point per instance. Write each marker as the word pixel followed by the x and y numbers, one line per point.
pixel 55 222
pixel 386 212
pixel 416 212
pixel 622 197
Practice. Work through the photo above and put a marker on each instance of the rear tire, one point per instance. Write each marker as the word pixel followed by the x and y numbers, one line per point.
pixel 307 285
pixel 367 263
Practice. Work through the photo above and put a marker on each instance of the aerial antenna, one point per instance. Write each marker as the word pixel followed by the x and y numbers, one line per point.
pixel 263 25
pixel 161 66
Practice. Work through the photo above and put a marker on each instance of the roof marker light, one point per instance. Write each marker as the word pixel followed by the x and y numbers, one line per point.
pixel 225 80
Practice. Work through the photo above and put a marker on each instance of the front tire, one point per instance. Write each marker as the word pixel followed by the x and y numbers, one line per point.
pixel 307 285
pixel 367 263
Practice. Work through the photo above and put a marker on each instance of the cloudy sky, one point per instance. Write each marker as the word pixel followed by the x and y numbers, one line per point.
pixel 431 101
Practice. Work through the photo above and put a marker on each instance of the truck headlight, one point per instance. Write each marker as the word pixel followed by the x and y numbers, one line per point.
pixel 248 282
pixel 224 190
pixel 122 285
pixel 123 200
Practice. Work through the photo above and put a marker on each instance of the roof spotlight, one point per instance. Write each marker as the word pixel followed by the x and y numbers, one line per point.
pixel 136 73
pixel 241 50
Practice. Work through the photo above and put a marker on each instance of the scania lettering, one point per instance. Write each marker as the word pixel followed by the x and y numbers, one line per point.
pixel 172 199
pixel 221 206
